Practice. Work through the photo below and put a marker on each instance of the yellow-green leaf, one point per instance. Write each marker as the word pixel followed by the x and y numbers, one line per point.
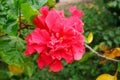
pixel 16 69
pixel 51 3
pixel 90 37
pixel 28 12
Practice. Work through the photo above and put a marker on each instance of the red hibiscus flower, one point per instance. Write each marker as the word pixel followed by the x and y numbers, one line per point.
pixel 56 37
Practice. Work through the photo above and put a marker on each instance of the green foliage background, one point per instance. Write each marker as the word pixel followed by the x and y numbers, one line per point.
pixel 99 19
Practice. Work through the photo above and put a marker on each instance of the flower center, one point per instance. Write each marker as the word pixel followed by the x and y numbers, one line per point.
pixel 61 38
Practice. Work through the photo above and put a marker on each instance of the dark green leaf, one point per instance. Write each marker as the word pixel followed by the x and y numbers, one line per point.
pixel 111 33
pixel 117 40
pixel 11 27
pixel 17 3
pixel 3 74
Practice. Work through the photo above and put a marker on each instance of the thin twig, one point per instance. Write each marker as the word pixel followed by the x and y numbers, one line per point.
pixel 20 17
pixel 25 26
pixel 19 14
pixel 100 55
pixel 116 73
pixel 22 25
pixel 3 35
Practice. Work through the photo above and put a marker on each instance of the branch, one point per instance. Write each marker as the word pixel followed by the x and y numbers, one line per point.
pixel 3 35
pixel 100 55
pixel 19 15
pixel 21 24
pixel 25 26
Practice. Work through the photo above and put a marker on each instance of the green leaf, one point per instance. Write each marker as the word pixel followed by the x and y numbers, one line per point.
pixel 11 50
pixel 3 74
pixel 28 12
pixel 17 3
pixel 8 17
pixel 86 56
pixel 2 21
pixel 51 3
pixel 119 66
pixel 11 27
pixel 38 3
pixel 29 68
pixel 111 33
pixel 12 8
pixel 109 43
pixel 117 40
pixel 105 38
pixel 42 2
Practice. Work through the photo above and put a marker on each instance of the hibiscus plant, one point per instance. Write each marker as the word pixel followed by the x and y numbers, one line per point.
pixel 33 31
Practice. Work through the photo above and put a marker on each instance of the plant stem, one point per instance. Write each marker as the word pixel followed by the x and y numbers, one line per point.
pixel 19 15
pixel 100 55
pixel 116 73
pixel 3 35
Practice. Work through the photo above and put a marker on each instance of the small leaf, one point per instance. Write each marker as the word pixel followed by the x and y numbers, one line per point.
pixel 29 68
pixel 106 77
pixel 90 37
pixel 119 66
pixel 109 42
pixel 103 61
pixel 112 53
pixel 16 69
pixel 17 3
pixel 51 3
pixel 86 56
pixel 28 12
pixel 11 28
pixel 104 47
pixel 116 52
pixel 42 2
